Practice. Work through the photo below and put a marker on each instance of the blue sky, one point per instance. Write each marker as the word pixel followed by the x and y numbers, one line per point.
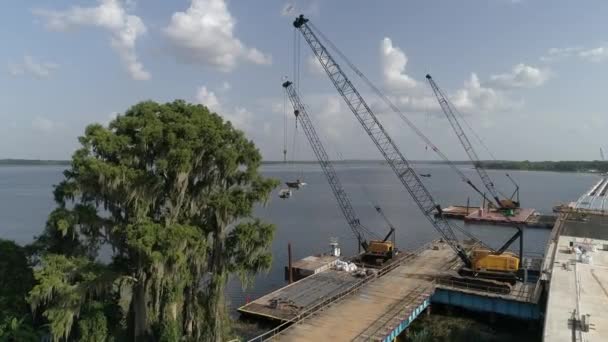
pixel 528 75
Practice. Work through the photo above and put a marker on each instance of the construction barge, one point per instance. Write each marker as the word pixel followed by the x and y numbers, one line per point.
pixel 317 282
pixel 380 303
pixel 527 217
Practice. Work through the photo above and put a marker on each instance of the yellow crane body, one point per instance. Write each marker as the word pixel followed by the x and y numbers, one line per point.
pixel 484 260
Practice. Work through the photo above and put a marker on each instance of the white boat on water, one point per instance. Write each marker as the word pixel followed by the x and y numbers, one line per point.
pixel 285 193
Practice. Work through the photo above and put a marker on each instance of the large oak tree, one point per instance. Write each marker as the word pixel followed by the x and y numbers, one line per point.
pixel 168 191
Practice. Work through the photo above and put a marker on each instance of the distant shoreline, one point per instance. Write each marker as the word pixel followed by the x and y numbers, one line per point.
pixel 32 162
pixel 556 166
pixel 585 166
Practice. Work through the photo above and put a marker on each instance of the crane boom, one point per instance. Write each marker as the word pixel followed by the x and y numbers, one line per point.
pixel 464 140
pixel 328 169
pixel 396 160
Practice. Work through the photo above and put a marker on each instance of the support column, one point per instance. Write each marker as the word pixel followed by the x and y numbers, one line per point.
pixel 290 269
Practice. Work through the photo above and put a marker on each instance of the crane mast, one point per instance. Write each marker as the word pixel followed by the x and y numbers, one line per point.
pixel 466 143
pixel 396 160
pixel 326 164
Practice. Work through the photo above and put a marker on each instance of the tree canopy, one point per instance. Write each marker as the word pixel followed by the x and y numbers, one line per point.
pixel 154 214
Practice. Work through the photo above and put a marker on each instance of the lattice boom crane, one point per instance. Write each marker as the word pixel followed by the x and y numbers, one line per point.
pixel 396 160
pixel 468 148
pixel 379 248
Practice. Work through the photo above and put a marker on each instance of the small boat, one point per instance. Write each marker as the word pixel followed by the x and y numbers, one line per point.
pixel 295 185
pixel 427 175
pixel 285 193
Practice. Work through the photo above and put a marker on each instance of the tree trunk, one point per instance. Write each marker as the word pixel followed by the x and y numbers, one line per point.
pixel 216 289
pixel 188 314
pixel 140 313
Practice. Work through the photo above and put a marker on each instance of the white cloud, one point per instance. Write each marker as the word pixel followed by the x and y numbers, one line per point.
pixel 31 66
pixel 204 34
pixel 45 125
pixel 474 97
pixel 521 76
pixel 591 54
pixel 558 53
pixel 411 95
pixel 110 117
pixel 394 61
pixel 240 117
pixel 288 10
pixel 594 55
pixel 291 9
pixel 208 99
pixel 314 66
pixel 110 15
pixel 225 86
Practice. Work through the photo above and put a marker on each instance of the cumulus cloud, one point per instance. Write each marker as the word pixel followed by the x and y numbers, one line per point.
pixel 112 16
pixel 314 66
pixel 288 10
pixel 240 117
pixel 291 9
pixel 474 97
pixel 394 61
pixel 30 66
pixel 208 99
pixel 411 95
pixel 554 54
pixel 45 125
pixel 226 86
pixel 204 34
pixel 591 54
pixel 594 55
pixel 521 76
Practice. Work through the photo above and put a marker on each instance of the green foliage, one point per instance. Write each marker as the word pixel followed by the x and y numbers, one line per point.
pixel 248 247
pixel 558 166
pixel 164 186
pixel 16 278
pixel 13 329
pixel 93 324
pixel 64 286
pixel 467 327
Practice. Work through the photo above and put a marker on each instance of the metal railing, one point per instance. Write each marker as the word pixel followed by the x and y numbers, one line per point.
pixel 398 309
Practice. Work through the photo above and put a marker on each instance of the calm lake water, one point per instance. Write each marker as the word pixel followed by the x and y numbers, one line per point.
pixel 312 216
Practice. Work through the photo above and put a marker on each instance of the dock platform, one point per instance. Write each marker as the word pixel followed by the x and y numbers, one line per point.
pixel 371 312
pixel 311 265
pixel 520 216
pixel 527 217
pixel 290 301
pixel 375 308
pixel 297 299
